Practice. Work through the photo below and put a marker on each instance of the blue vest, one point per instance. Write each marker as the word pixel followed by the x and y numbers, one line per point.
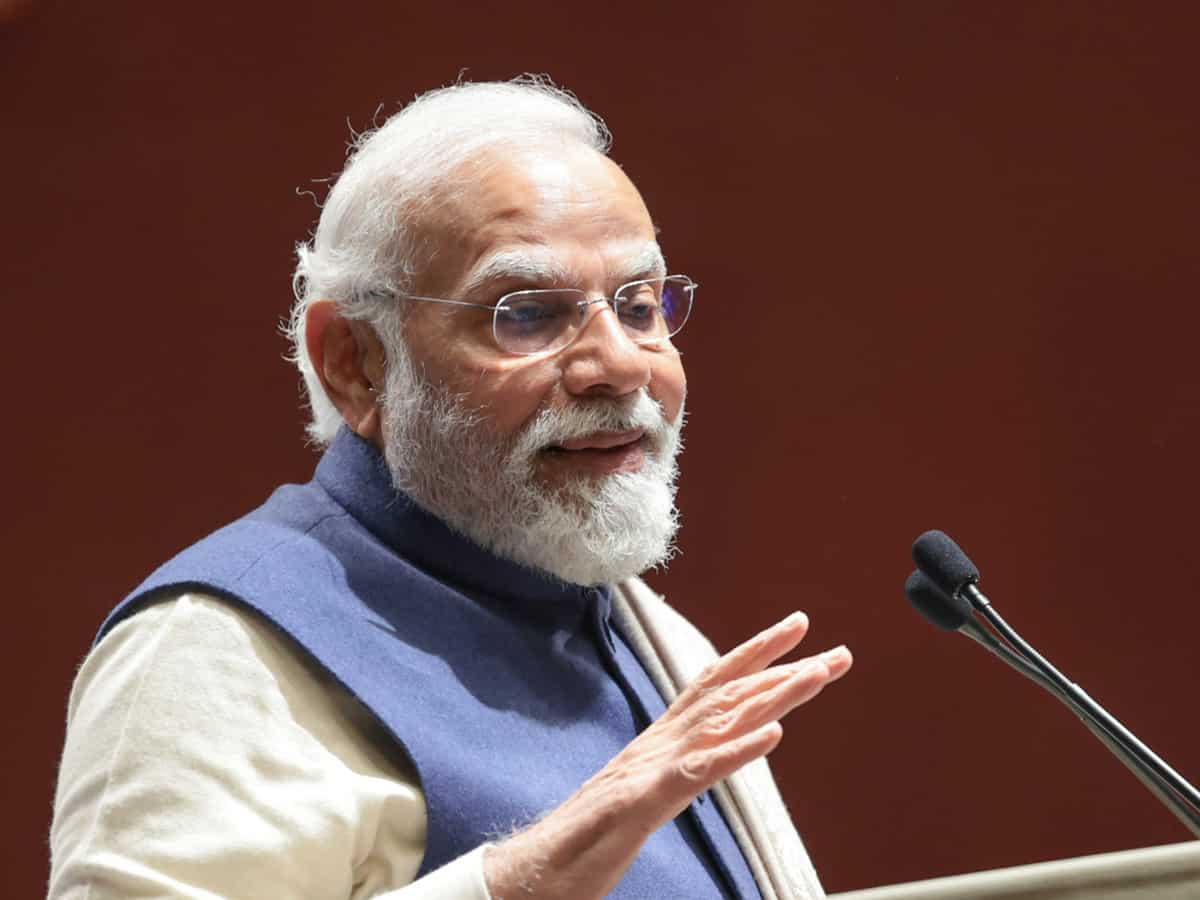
pixel 505 689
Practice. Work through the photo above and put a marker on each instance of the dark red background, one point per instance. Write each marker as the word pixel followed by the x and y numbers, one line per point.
pixel 949 278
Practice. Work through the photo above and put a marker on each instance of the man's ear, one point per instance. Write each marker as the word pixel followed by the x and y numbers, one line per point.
pixel 349 359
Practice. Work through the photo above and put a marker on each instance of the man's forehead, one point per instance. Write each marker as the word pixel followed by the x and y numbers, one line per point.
pixel 624 261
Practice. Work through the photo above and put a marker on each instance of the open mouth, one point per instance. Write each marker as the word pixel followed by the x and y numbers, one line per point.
pixel 602 453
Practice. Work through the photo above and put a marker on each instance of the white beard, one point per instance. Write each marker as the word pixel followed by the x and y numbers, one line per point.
pixel 588 531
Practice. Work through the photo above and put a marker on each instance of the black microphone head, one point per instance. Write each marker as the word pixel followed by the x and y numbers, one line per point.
pixel 943 611
pixel 943 562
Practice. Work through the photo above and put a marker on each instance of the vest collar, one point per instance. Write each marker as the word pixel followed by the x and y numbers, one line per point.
pixel 355 474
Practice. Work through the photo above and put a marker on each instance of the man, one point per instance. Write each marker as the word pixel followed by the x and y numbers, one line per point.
pixel 432 672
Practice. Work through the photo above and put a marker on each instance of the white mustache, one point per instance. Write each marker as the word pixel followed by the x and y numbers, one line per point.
pixel 554 426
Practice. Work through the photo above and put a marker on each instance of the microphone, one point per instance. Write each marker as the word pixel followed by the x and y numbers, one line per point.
pixel 950 613
pixel 943 563
pixel 946 612
pixel 944 590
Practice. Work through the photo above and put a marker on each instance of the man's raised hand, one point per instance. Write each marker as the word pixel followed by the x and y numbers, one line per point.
pixel 728 717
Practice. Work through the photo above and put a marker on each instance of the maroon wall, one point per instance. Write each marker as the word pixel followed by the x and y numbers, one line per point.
pixel 949 278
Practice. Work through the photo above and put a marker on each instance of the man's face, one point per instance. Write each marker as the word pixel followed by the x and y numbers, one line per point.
pixel 566 218
pixel 562 461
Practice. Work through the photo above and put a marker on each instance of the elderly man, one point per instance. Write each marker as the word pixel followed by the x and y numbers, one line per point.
pixel 432 672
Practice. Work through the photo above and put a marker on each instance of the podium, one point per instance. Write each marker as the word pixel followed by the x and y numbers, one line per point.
pixel 1171 872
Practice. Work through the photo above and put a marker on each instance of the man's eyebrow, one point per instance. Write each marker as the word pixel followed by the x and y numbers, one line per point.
pixel 515 265
pixel 646 262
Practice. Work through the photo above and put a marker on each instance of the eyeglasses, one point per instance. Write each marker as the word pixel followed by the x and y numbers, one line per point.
pixel 538 321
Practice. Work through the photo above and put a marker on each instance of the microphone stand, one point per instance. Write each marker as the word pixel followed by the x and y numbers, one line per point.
pixel 1164 782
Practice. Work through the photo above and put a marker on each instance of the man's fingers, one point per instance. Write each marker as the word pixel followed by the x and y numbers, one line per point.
pixel 723 703
pixel 711 732
pixel 839 661
pixel 704 768
pixel 749 703
pixel 805 680
pixel 755 654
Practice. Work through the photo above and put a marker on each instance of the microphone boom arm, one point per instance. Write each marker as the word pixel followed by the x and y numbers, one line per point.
pixel 1164 782
pixel 1147 776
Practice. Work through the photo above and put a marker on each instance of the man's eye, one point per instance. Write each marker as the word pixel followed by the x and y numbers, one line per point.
pixel 528 311
pixel 523 321
pixel 640 313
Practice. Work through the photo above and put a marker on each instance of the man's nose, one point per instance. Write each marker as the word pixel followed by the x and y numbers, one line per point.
pixel 603 360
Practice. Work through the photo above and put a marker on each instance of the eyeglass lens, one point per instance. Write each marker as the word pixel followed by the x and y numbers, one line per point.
pixel 534 321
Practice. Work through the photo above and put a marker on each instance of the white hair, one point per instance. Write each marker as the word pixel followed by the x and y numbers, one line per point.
pixel 367 244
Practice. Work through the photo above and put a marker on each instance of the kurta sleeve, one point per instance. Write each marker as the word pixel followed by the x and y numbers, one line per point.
pixel 207 758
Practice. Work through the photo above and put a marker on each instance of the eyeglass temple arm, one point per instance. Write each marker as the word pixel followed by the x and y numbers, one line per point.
pixel 444 300
pixel 396 296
